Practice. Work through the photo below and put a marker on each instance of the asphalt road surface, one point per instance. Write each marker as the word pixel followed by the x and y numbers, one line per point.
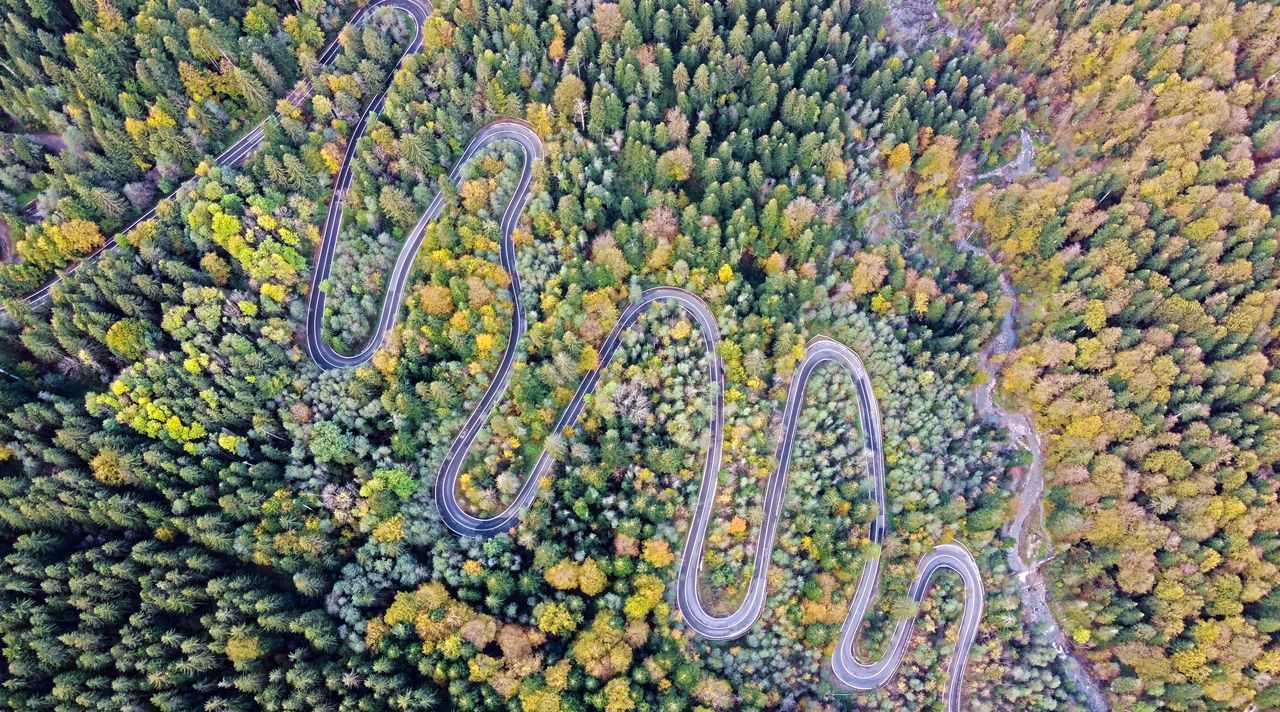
pixel 847 668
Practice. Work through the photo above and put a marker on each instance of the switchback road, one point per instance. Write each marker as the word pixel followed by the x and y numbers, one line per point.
pixel 848 669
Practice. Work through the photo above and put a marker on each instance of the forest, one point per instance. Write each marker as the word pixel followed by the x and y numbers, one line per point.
pixel 194 515
pixel 1149 354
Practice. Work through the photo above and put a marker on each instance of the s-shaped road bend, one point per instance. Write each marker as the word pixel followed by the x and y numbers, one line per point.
pixel 847 667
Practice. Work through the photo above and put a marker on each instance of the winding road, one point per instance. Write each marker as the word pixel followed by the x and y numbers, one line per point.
pixel 848 669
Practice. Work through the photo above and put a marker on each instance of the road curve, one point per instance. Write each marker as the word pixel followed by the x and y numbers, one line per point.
pixel 516 132
pixel 848 670
pixel 236 153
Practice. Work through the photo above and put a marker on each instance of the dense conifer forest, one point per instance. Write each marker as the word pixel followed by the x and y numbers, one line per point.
pixel 195 515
